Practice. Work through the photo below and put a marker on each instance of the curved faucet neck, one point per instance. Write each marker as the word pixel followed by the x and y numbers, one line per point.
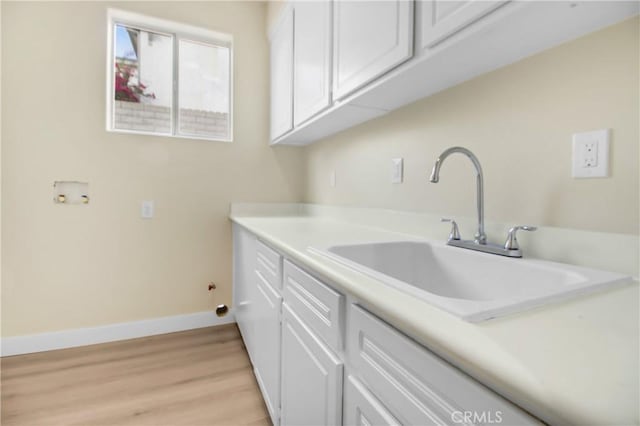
pixel 480 237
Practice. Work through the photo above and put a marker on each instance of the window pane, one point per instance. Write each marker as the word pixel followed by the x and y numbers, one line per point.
pixel 203 94
pixel 142 80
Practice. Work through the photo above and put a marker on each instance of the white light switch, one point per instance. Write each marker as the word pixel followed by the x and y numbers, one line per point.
pixel 147 209
pixel 332 178
pixel 591 154
pixel 396 170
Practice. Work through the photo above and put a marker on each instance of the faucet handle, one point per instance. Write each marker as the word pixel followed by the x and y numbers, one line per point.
pixel 455 232
pixel 512 241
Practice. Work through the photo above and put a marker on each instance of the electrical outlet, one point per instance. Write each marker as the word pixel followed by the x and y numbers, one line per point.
pixel 591 154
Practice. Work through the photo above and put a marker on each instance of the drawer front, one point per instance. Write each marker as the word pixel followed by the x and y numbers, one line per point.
pixel 269 264
pixel 317 305
pixel 363 409
pixel 417 386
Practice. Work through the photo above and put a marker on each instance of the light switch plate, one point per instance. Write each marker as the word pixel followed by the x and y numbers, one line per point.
pixel 591 154
pixel 147 209
pixel 396 170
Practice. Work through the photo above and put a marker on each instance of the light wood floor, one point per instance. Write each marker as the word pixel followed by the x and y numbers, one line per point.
pixel 199 377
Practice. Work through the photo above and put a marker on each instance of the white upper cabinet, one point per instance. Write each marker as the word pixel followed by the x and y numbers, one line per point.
pixel 311 59
pixel 281 50
pixel 441 19
pixel 348 61
pixel 370 38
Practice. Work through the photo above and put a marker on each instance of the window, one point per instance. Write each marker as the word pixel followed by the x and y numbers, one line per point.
pixel 168 79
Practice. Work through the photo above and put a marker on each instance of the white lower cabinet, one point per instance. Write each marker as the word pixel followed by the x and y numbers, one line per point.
pixel 311 376
pixel 267 342
pixel 361 408
pixel 418 387
pixel 258 304
pixel 318 305
pixel 295 341
pixel 244 255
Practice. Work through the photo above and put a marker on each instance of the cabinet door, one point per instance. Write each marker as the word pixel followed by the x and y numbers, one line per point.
pixel 370 38
pixel 440 19
pixel 244 257
pixel 267 339
pixel 416 386
pixel 311 59
pixel 311 377
pixel 361 408
pixel 281 50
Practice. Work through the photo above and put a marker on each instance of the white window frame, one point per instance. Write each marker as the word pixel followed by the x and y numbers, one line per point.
pixel 179 32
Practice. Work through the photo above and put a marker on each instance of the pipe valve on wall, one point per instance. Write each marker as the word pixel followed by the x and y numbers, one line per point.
pixel 221 310
pixel 70 192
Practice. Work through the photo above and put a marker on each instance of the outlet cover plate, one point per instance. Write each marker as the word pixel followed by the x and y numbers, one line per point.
pixel 591 154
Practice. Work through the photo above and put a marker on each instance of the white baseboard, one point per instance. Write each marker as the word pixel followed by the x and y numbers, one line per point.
pixel 18 345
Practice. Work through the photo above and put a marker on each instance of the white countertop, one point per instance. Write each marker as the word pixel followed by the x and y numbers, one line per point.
pixel 573 362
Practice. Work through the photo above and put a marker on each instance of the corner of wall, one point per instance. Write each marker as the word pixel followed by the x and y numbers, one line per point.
pixel 273 9
pixel 1 202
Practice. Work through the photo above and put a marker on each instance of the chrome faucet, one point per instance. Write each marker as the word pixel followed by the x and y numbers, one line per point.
pixel 510 247
pixel 480 237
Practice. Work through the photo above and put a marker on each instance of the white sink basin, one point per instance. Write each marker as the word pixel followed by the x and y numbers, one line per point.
pixel 472 285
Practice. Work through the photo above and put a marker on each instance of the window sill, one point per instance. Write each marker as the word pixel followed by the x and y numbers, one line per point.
pixel 164 135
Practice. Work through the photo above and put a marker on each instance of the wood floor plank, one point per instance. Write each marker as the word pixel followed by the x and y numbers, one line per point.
pixel 112 369
pixel 198 377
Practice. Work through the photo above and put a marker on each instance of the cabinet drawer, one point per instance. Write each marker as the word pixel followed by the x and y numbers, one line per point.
pixel 417 386
pixel 269 265
pixel 317 305
pixel 361 408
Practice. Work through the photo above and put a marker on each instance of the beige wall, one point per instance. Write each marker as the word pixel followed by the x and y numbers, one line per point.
pixel 518 120
pixel 75 266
